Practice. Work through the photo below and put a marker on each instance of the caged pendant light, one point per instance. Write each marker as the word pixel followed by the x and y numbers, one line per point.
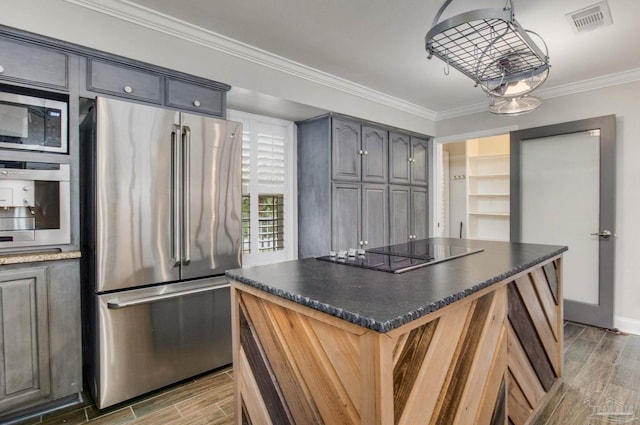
pixel 491 48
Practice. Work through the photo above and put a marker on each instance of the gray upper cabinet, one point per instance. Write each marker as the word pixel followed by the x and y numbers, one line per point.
pixel 24 342
pixel 374 155
pixel 194 97
pixel 359 152
pixel 121 80
pixel 399 158
pixel 345 151
pixel 31 64
pixel 419 163
pixel 408 159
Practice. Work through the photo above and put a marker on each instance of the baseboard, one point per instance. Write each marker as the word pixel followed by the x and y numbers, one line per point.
pixel 625 324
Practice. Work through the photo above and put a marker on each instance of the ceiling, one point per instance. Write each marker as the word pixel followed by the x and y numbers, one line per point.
pixel 379 44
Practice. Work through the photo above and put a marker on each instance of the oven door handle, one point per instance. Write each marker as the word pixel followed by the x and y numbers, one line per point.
pixel 114 305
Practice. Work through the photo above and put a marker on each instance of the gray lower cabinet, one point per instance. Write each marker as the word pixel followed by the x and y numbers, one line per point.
pixel 408 213
pixel 408 159
pixel 40 343
pixel 31 64
pixel 359 216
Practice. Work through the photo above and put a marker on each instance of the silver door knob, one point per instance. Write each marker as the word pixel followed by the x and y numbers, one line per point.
pixel 603 234
pixel 127 89
pixel 361 152
pixel 196 103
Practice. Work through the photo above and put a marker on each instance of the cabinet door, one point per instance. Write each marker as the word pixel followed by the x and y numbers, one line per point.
pixel 346 160
pixel 194 97
pixel 24 341
pixel 374 158
pixel 419 213
pixel 419 161
pixel 125 81
pixel 399 158
pixel 375 224
pixel 27 63
pixel 346 213
pixel 399 214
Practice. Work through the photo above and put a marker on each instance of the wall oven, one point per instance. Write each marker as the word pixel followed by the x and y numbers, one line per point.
pixel 33 123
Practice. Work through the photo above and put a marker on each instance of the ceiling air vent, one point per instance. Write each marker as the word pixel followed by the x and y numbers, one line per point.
pixel 590 18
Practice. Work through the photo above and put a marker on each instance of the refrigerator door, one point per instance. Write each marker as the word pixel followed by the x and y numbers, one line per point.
pixel 152 337
pixel 212 228
pixel 134 195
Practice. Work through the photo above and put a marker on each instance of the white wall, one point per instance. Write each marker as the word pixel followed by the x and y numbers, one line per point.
pixel 65 20
pixel 623 101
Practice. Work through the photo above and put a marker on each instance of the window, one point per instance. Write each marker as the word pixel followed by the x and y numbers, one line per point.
pixel 268 196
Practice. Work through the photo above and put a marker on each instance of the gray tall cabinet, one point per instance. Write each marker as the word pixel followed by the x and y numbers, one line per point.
pixel 360 185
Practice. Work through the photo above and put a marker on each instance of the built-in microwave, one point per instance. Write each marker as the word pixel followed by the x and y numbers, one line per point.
pixel 33 123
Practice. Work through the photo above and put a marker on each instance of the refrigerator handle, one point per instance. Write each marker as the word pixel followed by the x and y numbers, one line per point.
pixel 186 231
pixel 114 305
pixel 176 172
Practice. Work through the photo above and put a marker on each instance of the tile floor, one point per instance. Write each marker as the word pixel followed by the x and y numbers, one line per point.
pixel 599 367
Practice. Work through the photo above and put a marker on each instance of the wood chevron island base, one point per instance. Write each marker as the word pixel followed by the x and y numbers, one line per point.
pixel 492 357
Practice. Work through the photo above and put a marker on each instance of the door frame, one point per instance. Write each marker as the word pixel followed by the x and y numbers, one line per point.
pixel 600 314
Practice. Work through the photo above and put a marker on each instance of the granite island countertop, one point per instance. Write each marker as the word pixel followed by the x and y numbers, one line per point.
pixel 33 257
pixel 384 301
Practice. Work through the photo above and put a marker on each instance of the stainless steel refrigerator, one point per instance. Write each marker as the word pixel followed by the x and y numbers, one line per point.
pixel 160 224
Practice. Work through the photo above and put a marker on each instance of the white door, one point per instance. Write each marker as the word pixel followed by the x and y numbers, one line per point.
pixel 565 189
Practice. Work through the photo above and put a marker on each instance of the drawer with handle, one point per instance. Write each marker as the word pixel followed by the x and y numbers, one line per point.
pixel 121 80
pixel 194 97
pixel 27 63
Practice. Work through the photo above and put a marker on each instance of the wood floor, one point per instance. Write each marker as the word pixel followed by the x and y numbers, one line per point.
pixel 601 385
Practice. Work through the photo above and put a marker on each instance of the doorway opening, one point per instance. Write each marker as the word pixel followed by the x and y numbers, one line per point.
pixel 474 189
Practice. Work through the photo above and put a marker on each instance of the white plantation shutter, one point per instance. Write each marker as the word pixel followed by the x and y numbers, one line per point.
pixel 268 177
pixel 246 157
pixel 271 159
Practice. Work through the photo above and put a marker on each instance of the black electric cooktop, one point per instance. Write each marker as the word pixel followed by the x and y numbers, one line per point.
pixel 403 257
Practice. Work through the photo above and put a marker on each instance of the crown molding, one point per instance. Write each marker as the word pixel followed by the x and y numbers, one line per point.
pixel 141 16
pixel 138 15
pixel 601 82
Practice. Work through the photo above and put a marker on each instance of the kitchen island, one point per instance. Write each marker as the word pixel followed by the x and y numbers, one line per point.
pixel 473 340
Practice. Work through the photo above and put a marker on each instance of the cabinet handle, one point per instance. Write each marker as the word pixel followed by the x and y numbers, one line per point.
pixel 366 152
pixel 127 89
pixel 360 151
pixel 366 242
pixel 1 69
pixel 361 243
pixel 196 103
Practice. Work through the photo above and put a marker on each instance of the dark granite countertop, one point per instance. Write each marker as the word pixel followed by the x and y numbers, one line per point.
pixel 384 301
